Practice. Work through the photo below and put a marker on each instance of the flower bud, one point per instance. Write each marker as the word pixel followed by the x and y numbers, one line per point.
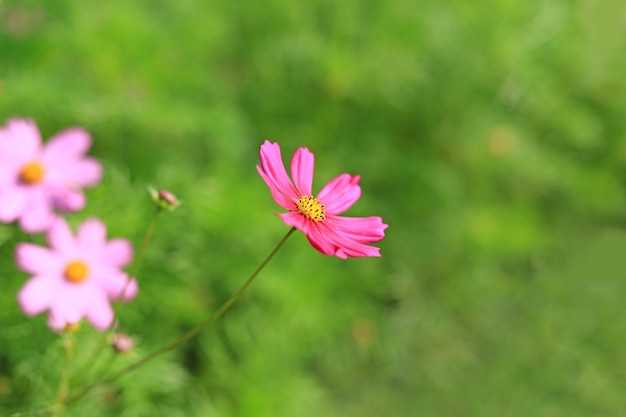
pixel 163 199
pixel 123 342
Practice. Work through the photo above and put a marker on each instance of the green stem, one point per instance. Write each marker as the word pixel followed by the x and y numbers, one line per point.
pixel 141 252
pixel 182 339
pixel 62 391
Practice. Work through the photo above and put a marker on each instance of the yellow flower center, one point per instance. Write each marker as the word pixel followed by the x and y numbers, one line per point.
pixel 76 272
pixel 311 208
pixel 32 173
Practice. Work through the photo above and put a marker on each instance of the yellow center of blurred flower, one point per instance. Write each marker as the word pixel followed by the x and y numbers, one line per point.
pixel 76 272
pixel 311 208
pixel 32 173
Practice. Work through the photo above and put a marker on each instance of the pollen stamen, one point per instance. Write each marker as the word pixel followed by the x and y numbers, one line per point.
pixel 32 173
pixel 311 208
pixel 76 272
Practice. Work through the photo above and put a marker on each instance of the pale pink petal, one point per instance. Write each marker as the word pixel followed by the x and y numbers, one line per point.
pixel 67 200
pixel 57 322
pixel 130 291
pixel 9 168
pixel 302 165
pixel 66 146
pixel 36 259
pixel 22 140
pixel 37 294
pixel 61 240
pixel 273 173
pixel 84 173
pixel 91 235
pixel 117 252
pixel 70 304
pixel 340 193
pixel 7 175
pixel 37 215
pixel 12 202
pixel 99 311
pixel 113 282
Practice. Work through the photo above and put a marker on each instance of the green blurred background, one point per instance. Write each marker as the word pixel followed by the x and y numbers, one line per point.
pixel 490 135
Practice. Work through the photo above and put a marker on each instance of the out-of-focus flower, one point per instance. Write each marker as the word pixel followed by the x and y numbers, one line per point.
pixel 318 216
pixel 37 180
pixel 76 276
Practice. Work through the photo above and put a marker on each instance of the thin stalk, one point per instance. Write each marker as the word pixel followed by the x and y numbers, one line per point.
pixel 62 391
pixel 182 339
pixel 140 254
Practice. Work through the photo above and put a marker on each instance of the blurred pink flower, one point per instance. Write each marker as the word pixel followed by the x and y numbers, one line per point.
pixel 318 216
pixel 76 276
pixel 38 180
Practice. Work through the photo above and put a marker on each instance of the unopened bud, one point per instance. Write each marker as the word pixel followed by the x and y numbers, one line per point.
pixel 123 342
pixel 164 199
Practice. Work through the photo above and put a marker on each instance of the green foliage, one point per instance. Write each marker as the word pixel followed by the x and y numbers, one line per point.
pixel 491 136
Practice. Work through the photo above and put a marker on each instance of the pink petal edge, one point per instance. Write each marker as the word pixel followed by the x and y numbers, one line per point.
pixel 302 167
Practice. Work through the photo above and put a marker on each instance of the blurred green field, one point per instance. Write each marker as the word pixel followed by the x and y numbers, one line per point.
pixel 490 136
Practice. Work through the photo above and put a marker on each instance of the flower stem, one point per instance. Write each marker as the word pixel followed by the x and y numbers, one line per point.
pixel 62 391
pixel 141 252
pixel 182 339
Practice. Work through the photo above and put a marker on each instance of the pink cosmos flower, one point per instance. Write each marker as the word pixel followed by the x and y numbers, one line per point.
pixel 318 216
pixel 76 276
pixel 38 180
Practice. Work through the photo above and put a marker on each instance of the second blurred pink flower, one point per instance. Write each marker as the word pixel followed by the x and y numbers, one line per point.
pixel 76 276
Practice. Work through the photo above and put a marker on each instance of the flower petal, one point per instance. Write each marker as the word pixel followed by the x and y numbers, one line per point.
pixel 99 311
pixel 68 200
pixel 113 282
pixel 273 173
pixel 36 259
pixel 130 291
pixel 55 321
pixel 331 241
pixel 12 201
pixel 60 239
pixel 302 165
pixel 21 140
pixel 38 214
pixel 37 295
pixel 84 173
pixel 117 253
pixel 67 146
pixel 319 241
pixel 91 235
pixel 340 193
pixel 360 229
pixel 296 219
pixel 71 303
pixel 9 166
